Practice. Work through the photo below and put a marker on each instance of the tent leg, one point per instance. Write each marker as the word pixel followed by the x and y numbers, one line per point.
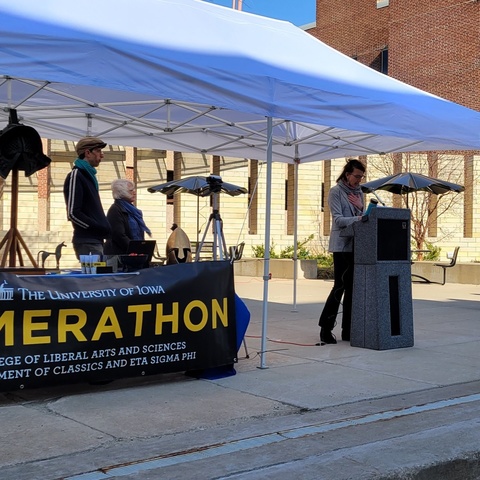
pixel 266 265
pixel 295 235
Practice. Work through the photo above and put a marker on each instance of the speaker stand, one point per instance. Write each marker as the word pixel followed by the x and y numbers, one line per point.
pixel 220 251
pixel 13 239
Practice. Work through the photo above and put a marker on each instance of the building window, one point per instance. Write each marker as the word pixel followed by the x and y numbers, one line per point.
pixel 384 61
pixel 380 62
pixel 382 3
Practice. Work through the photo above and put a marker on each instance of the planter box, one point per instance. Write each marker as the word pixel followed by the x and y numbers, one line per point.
pixel 279 268
pixel 468 273
pixel 325 273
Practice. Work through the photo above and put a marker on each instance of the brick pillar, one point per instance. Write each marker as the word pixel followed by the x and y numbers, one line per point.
pixel 290 198
pixel 328 184
pixel 131 164
pixel 397 200
pixel 177 174
pixel 432 160
pixel 43 187
pixel 253 197
pixel 468 204
pixel 215 165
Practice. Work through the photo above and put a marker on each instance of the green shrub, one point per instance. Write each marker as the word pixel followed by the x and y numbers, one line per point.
pixel 434 253
pixel 323 259
pixel 302 252
pixel 258 251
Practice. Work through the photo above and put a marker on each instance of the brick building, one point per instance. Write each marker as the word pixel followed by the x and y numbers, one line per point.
pixel 433 45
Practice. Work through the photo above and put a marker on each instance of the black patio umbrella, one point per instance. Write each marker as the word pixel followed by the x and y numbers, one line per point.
pixel 199 186
pixel 408 182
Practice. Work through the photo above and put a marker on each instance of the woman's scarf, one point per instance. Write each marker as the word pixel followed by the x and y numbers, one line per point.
pixel 135 221
pixel 357 191
pixel 84 165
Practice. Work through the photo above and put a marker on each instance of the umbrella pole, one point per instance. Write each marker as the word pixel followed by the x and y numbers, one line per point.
pixel 198 219
pixel 378 198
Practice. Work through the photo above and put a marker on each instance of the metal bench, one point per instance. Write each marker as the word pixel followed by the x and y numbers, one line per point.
pixel 206 252
pixel 451 264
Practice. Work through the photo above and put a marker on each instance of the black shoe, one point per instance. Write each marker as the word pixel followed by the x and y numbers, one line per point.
pixel 326 336
pixel 345 336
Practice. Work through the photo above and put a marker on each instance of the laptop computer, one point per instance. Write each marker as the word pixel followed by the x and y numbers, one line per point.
pixel 142 247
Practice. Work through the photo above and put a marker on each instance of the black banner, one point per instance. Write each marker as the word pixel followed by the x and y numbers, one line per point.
pixel 70 328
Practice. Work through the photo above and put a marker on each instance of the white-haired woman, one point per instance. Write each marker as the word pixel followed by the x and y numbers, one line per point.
pixel 125 219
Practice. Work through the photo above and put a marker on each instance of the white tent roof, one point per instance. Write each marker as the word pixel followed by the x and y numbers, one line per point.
pixel 192 76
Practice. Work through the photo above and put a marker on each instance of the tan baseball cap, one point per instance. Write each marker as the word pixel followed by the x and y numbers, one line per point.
pixel 89 143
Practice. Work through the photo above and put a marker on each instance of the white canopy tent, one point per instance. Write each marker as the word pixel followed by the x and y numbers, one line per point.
pixel 192 76
pixel 186 74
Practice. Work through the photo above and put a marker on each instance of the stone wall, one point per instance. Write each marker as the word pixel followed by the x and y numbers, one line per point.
pixel 278 268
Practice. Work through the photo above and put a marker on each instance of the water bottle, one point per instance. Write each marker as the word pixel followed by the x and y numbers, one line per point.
pixel 373 203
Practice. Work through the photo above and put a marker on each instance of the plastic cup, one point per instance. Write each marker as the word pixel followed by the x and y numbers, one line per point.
pixel 85 263
pixel 94 261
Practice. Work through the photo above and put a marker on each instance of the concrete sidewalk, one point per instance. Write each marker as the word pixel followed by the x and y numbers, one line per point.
pixel 315 412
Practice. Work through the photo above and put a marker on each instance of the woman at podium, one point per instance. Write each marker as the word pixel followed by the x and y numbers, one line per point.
pixel 345 200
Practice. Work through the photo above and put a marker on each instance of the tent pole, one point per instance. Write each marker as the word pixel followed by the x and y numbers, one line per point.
pixel 295 235
pixel 266 265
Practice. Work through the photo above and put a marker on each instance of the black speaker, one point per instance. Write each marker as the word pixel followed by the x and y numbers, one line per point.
pixel 20 148
pixel 393 238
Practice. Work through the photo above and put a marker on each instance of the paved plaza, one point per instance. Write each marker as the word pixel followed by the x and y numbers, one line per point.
pixel 313 412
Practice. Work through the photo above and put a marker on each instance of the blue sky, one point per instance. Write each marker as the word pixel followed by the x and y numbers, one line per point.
pixel 299 12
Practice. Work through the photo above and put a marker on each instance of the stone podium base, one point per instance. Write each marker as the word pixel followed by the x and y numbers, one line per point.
pixel 382 313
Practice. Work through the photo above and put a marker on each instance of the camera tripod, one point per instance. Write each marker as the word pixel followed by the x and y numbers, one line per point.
pixel 220 251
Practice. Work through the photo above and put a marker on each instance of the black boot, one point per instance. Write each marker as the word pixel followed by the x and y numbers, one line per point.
pixel 326 336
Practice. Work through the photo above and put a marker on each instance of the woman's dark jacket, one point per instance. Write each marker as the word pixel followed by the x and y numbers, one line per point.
pixel 117 217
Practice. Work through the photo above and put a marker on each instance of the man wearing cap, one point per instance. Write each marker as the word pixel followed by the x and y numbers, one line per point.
pixel 84 207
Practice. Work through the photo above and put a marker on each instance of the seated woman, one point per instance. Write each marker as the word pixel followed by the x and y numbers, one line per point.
pixel 125 219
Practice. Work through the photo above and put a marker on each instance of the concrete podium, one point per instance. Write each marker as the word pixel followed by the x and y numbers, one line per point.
pixel 382 313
